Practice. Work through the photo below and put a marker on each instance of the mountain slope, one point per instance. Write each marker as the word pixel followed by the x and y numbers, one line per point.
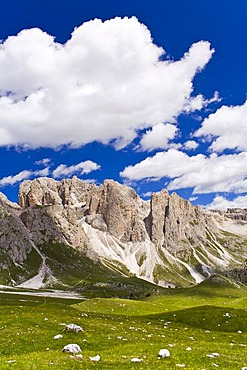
pixel 166 241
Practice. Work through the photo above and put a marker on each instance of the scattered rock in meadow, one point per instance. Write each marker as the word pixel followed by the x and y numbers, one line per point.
pixel 136 359
pixel 71 348
pixel 213 355
pixel 95 358
pixel 164 353
pixel 74 327
pixel 59 336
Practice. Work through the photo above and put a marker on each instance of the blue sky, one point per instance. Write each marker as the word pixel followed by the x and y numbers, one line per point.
pixel 149 93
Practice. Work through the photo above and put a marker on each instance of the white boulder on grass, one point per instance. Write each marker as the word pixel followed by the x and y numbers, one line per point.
pixel 136 359
pixel 59 336
pixel 74 327
pixel 95 358
pixel 164 353
pixel 71 348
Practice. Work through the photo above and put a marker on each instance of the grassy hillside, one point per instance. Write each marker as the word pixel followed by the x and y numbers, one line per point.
pixel 74 271
pixel 203 327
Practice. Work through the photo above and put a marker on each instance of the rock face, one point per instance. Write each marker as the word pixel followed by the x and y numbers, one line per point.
pixel 167 240
pixel 237 213
pixel 119 207
pixel 156 219
pixel 16 245
pixel 14 238
pixel 173 220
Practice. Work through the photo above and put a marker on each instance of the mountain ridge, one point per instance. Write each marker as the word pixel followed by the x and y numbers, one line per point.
pixel 167 241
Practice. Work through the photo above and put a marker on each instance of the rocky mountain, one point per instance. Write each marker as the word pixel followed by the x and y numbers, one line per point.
pixel 70 232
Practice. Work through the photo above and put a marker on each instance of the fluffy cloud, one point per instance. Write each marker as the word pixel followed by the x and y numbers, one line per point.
pixel 172 163
pixel 192 199
pixel 221 203
pixel 41 173
pixel 190 145
pixel 158 137
pixel 11 180
pixel 147 194
pixel 62 170
pixel 205 174
pixel 105 83
pixel 23 175
pixel 198 102
pixel 43 161
pixel 227 128
pixel 82 168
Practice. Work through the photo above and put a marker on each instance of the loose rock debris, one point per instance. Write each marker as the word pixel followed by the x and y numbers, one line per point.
pixel 71 348
pixel 164 353
pixel 136 359
pixel 59 336
pixel 74 327
pixel 95 358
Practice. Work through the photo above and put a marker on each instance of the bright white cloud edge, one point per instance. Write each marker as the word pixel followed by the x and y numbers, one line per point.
pixel 221 203
pixel 158 137
pixel 223 173
pixel 82 168
pixel 104 84
pixel 60 171
pixel 23 175
pixel 190 145
pixel 226 128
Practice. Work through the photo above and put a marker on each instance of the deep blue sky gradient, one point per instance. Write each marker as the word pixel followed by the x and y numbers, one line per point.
pixel 174 25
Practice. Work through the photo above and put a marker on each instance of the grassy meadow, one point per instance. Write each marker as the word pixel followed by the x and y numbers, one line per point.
pixel 203 327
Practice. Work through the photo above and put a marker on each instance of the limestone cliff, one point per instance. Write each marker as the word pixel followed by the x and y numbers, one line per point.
pixel 167 240
pixel 16 247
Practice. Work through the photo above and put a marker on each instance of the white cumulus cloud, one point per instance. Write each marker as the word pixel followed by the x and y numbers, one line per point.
pixel 11 180
pixel 226 128
pixel 198 102
pixel 43 161
pixel 221 203
pixel 172 163
pixel 192 199
pixel 204 174
pixel 61 171
pixel 44 172
pixel 190 145
pixel 104 84
pixel 23 175
pixel 81 168
pixel 158 137
pixel 147 194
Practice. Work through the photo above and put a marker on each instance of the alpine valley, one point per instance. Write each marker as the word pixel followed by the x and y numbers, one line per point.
pixel 70 234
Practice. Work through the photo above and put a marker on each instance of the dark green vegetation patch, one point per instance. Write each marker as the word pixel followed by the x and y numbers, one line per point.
pixel 92 279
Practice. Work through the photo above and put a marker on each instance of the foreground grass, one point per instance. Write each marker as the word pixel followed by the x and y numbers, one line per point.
pixel 192 324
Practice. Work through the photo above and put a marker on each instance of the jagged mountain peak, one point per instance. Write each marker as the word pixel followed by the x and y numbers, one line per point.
pixel 5 201
pixel 167 241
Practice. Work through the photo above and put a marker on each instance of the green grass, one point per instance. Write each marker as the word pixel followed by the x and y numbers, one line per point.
pixel 92 279
pixel 206 318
